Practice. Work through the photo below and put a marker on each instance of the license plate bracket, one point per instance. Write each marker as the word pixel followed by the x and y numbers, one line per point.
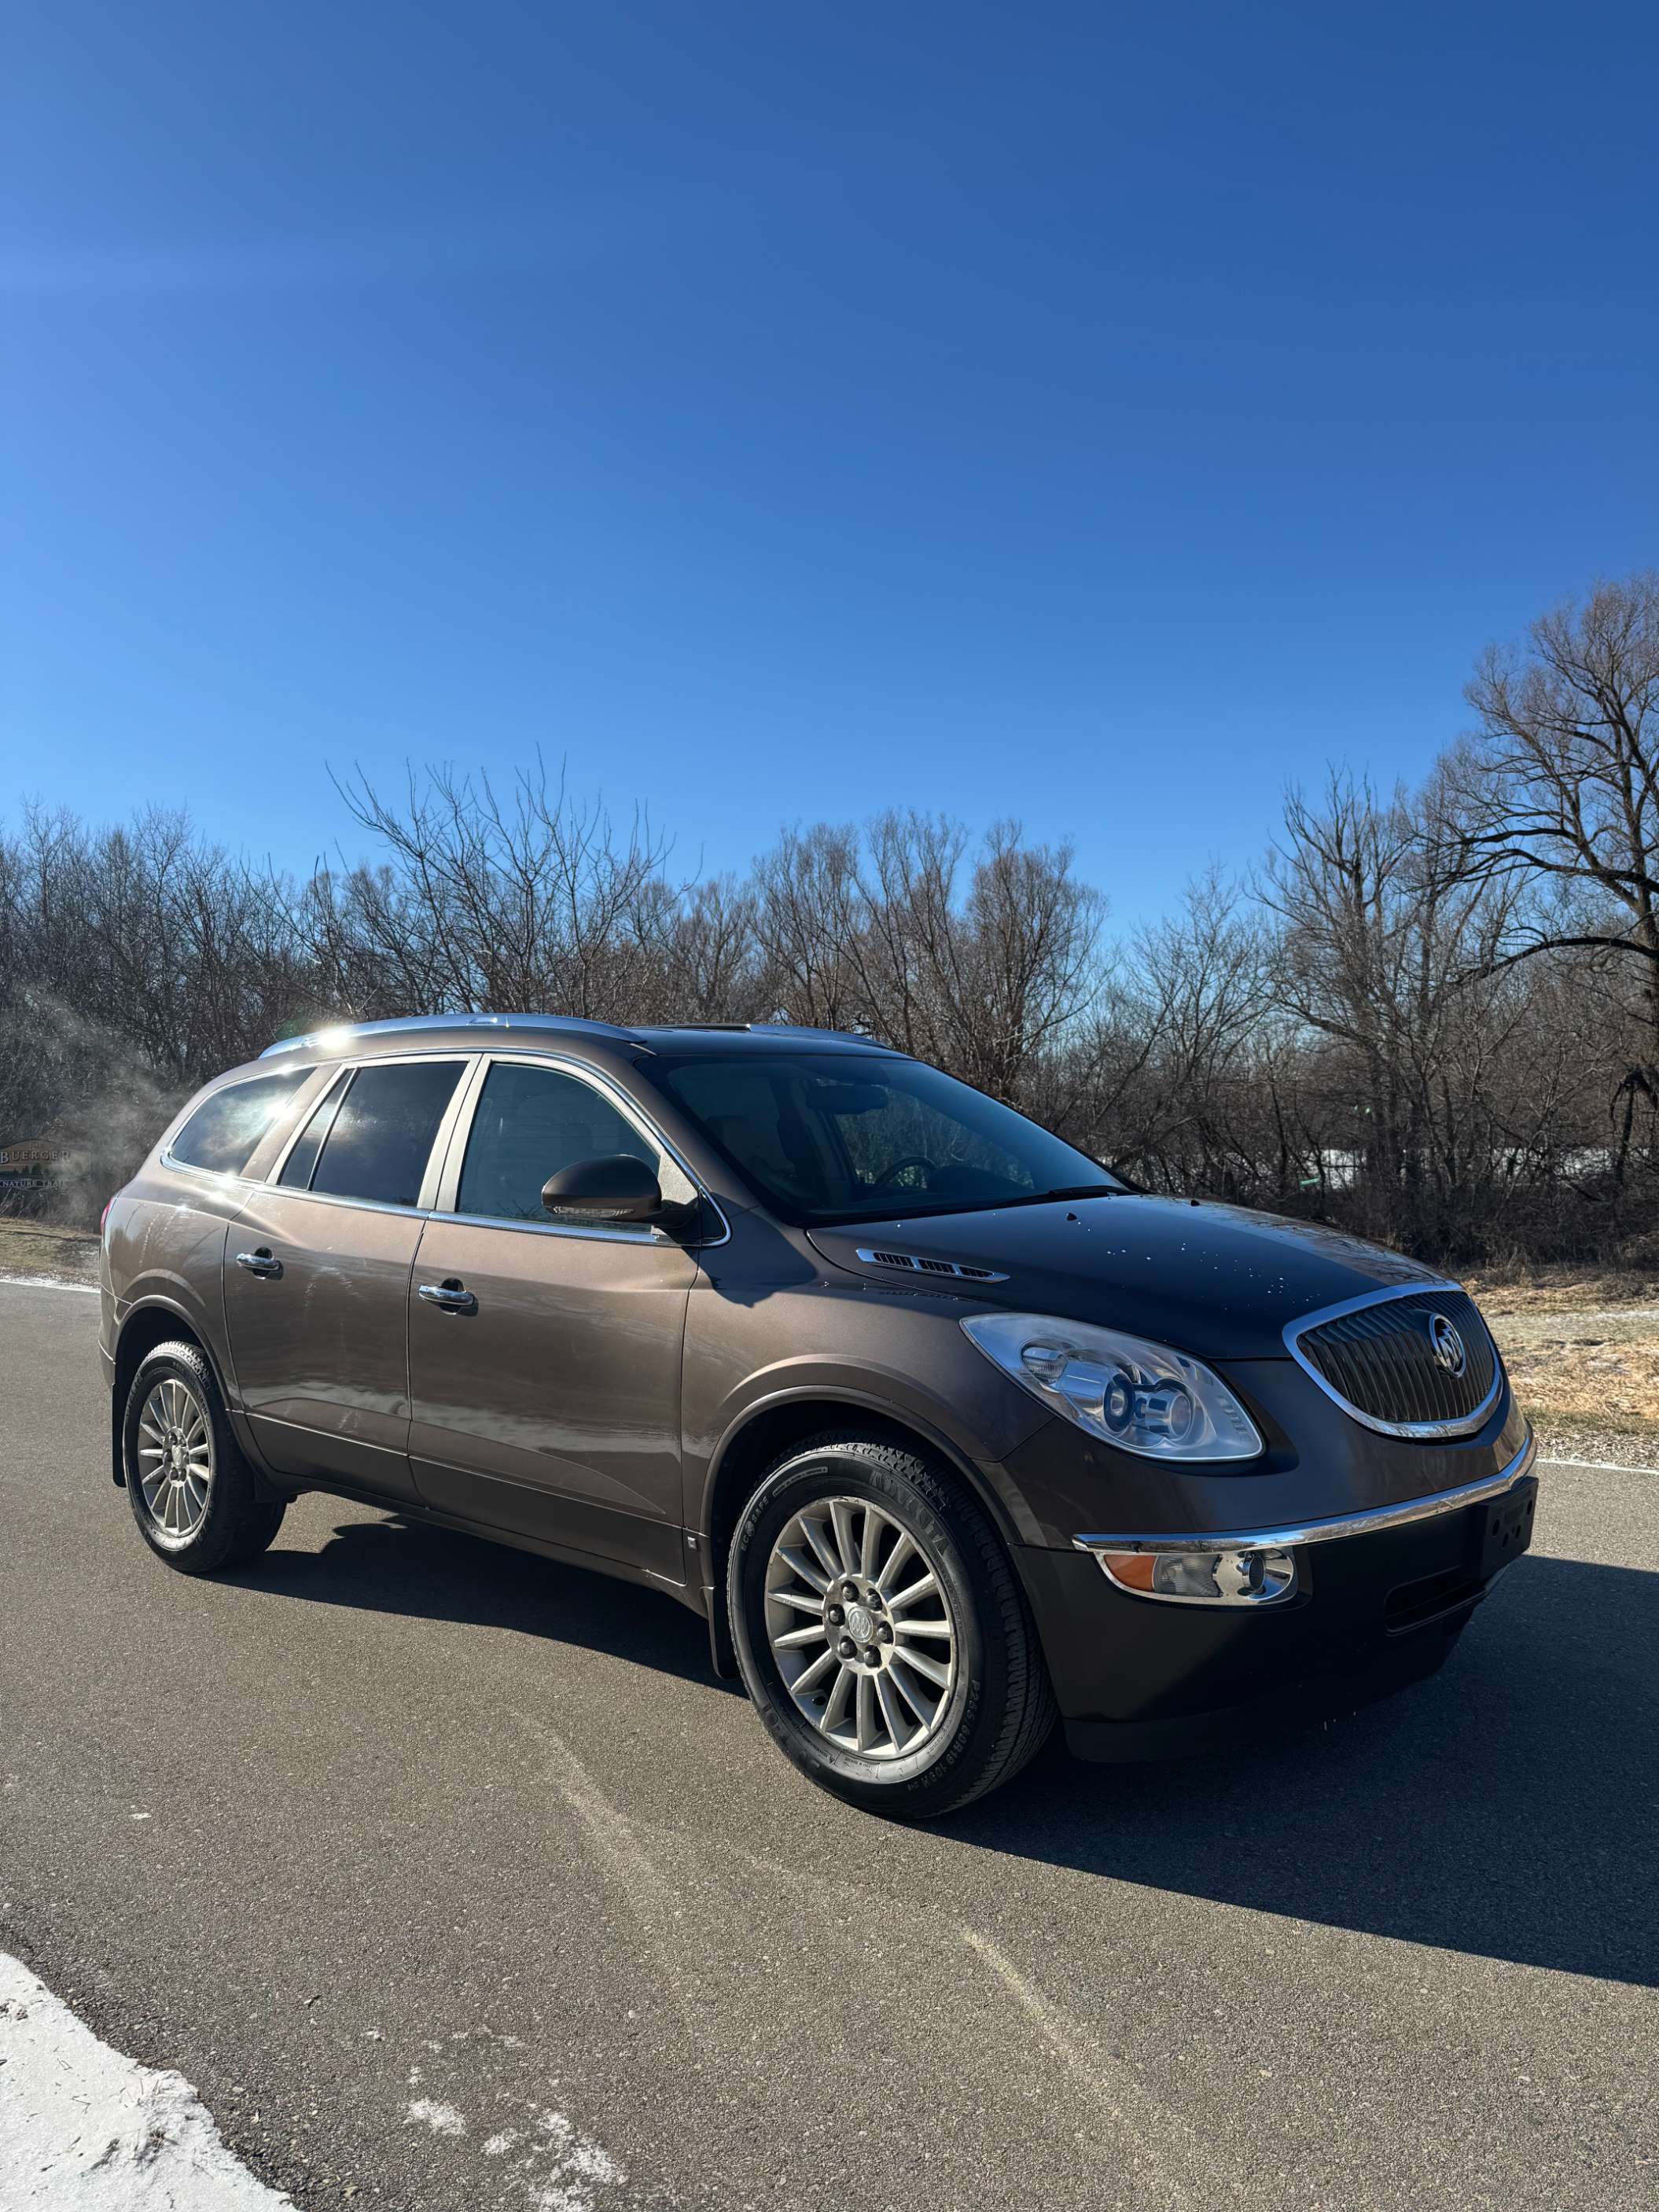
pixel 1504 1528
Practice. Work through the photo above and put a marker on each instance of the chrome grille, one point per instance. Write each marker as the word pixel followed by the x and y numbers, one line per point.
pixel 1379 1361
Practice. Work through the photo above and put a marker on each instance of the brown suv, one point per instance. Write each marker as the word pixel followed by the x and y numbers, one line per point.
pixel 938 1425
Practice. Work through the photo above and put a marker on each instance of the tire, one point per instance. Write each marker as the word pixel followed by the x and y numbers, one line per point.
pixel 209 1517
pixel 929 1741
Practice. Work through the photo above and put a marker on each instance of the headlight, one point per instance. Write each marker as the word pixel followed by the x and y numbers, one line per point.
pixel 1142 1397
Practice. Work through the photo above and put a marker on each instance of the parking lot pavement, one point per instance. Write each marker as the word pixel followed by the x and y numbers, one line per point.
pixel 453 1879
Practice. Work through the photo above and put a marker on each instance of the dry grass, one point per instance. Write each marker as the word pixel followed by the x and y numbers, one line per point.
pixel 43 1248
pixel 1582 1345
pixel 1616 1384
pixel 1555 1290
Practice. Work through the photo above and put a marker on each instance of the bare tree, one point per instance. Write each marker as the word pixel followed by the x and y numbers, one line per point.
pixel 708 962
pixel 1560 786
pixel 1416 1021
pixel 809 910
pixel 1174 1091
pixel 516 904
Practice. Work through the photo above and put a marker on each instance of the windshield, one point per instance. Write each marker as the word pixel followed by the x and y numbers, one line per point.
pixel 828 1137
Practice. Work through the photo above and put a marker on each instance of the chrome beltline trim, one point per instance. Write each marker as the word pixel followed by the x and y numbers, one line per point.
pixel 1464 1424
pixel 1285 1539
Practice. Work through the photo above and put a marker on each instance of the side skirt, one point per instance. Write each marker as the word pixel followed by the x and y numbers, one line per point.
pixel 566 1555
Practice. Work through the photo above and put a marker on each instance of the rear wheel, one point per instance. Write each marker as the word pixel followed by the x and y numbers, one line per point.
pixel 880 1630
pixel 191 1488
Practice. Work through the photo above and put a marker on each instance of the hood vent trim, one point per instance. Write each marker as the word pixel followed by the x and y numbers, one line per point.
pixel 913 1264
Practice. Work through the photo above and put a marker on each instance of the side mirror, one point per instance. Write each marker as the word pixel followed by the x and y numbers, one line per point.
pixel 618 1187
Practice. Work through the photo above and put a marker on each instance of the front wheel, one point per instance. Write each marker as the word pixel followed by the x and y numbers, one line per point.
pixel 880 1630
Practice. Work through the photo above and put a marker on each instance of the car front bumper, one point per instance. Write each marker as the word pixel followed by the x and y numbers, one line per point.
pixel 1380 1598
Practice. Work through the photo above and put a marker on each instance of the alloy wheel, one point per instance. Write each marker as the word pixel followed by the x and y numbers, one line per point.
pixel 860 1628
pixel 175 1459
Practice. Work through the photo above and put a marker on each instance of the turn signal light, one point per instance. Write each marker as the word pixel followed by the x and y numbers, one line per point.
pixel 1232 1577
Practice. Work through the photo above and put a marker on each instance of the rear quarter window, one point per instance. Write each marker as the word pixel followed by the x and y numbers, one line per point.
pixel 223 1132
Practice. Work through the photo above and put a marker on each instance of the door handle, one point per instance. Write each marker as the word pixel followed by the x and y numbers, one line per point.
pixel 449 1297
pixel 259 1262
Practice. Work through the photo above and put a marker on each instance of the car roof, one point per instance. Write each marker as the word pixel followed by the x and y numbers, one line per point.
pixel 473 1031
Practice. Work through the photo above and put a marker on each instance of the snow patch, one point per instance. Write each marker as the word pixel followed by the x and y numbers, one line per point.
pixel 579 2167
pixel 442 2119
pixel 84 2129
pixel 46 1283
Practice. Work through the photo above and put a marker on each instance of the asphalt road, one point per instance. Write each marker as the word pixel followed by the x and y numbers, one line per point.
pixel 453 1881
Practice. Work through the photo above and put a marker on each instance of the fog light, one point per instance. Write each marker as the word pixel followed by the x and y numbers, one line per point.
pixel 1230 1578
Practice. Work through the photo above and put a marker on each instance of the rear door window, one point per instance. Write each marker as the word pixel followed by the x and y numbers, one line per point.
pixel 224 1132
pixel 377 1145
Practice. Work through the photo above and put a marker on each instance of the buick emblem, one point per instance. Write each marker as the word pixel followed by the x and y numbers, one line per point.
pixel 1446 1345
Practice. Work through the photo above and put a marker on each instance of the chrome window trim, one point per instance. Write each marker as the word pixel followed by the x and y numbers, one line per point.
pixel 169 1159
pixel 1465 1424
pixel 563 1064
pixel 643 1235
pixel 1328 1532
pixel 329 1198
pixel 457 1124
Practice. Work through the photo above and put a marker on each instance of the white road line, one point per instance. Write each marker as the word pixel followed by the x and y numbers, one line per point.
pixel 1609 1466
pixel 1541 1322
pixel 83 2129
pixel 47 1283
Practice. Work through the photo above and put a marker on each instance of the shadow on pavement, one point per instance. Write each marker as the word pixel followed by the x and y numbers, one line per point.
pixel 434 1574
pixel 1508 1808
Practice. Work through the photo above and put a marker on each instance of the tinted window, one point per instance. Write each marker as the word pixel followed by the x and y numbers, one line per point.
pixel 377 1148
pixel 297 1167
pixel 529 1123
pixel 827 1136
pixel 223 1131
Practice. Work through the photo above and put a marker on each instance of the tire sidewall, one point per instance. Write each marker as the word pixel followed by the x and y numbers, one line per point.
pixel 933 1776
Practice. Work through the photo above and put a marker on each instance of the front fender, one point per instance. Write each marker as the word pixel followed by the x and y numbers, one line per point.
pixel 904 1358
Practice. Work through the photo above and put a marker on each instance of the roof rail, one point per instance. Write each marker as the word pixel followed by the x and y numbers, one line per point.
pixel 340 1033
pixel 782 1029
pixel 803 1030
pixel 337 1037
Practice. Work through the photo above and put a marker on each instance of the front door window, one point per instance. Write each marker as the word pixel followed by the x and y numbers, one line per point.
pixel 531 1121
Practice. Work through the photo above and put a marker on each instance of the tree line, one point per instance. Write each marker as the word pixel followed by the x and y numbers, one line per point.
pixel 1429 1015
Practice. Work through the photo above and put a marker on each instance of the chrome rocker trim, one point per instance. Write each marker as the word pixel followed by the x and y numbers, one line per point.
pixel 1326 1532
pixel 1464 1425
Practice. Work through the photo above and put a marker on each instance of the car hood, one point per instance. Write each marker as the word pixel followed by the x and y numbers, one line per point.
pixel 1220 1282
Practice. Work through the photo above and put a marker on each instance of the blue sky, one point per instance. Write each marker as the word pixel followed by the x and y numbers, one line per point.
pixel 1096 415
